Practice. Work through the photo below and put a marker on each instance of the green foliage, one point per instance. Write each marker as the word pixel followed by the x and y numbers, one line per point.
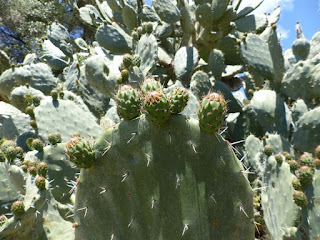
pixel 24 23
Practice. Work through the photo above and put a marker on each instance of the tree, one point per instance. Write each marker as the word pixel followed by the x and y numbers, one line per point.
pixel 23 23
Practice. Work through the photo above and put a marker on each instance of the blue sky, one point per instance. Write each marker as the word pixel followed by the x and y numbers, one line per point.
pixel 305 11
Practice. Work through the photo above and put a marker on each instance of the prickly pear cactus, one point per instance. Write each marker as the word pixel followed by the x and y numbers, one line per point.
pixel 172 182
pixel 163 167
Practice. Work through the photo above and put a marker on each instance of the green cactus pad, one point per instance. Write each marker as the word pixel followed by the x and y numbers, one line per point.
pixel 270 35
pixel 216 63
pixel 41 218
pixel 13 122
pixel 166 10
pixel 204 15
pixel 311 213
pixel 114 39
pixel 219 7
pixel 148 14
pixel 184 61
pixel 200 84
pixel 271 111
pixel 17 97
pixel 306 136
pixel 98 75
pixel 254 148
pixel 298 109
pixel 65 117
pixel 59 36
pixel 302 80
pixel 189 186
pixel 147 49
pixel 38 76
pixel 252 23
pixel 279 210
pixel 301 48
pixel 229 46
pixel 256 53
pixel 54 62
pixel 129 16
pixel 314 45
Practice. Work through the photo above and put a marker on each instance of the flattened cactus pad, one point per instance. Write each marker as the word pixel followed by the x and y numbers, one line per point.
pixel 256 53
pixel 166 10
pixel 113 39
pixel 185 60
pixel 165 183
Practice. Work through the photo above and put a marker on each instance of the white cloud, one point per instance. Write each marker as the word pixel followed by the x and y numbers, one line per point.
pixel 269 5
pixel 282 32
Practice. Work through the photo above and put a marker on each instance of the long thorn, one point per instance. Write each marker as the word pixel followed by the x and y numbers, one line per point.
pixel 255 224
pixel 234 143
pixel 130 223
pixel 241 209
pixel 222 160
pixel 224 130
pixel 124 177
pixel 186 227
pixel 133 135
pixel 212 197
pixel 178 182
